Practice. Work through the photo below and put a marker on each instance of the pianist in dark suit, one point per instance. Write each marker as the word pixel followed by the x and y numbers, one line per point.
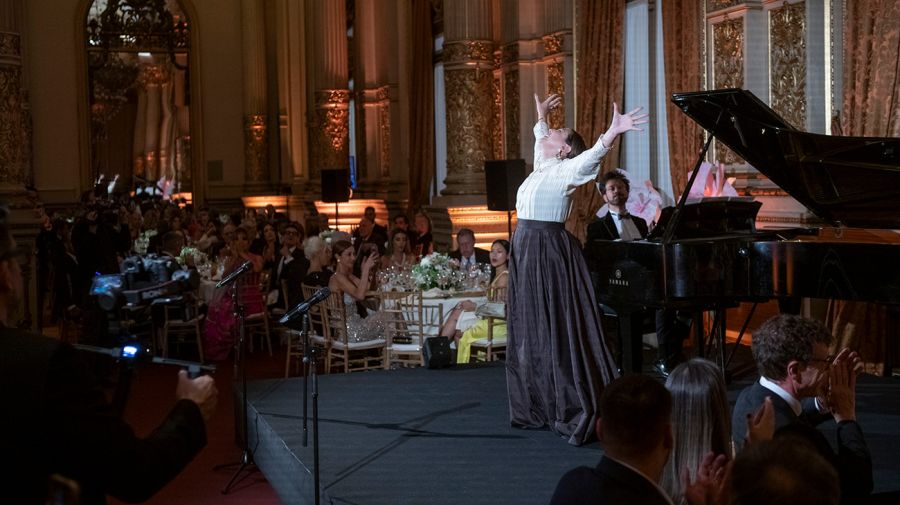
pixel 617 224
pixel 791 353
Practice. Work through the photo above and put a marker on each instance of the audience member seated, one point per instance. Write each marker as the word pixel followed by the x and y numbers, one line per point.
pixel 399 251
pixel 63 424
pixel 468 255
pixel 291 266
pixel 785 471
pixel 636 434
pixel 401 222
pixel 807 387
pixel 365 235
pixel 268 247
pixel 369 213
pixel 701 422
pixel 466 333
pixel 219 331
pixel 210 239
pixel 362 323
pixel 318 253
pixel 424 242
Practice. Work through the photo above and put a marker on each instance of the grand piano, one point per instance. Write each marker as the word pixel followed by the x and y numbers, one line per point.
pixel 708 255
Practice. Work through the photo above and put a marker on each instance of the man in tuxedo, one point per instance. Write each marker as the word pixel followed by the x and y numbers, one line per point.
pixel 806 388
pixel 365 234
pixel 467 254
pixel 61 428
pixel 635 431
pixel 377 229
pixel 617 224
pixel 291 266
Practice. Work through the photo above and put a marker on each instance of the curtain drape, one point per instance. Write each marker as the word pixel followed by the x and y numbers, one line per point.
pixel 421 108
pixel 600 56
pixel 682 43
pixel 871 108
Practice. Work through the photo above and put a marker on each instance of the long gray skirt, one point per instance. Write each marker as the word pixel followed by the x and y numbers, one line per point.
pixel 557 361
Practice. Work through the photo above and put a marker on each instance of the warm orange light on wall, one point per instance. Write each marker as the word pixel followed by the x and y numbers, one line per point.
pixel 488 225
pixel 349 213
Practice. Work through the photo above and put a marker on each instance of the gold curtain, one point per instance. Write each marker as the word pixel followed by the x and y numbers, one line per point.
pixel 871 108
pixel 599 35
pixel 421 98
pixel 682 42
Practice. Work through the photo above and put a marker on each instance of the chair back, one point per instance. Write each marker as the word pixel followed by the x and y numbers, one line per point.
pixel 336 317
pixel 496 294
pixel 317 315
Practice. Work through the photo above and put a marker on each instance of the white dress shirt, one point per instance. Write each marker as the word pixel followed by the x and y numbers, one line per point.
pixel 794 403
pixel 546 194
pixel 625 226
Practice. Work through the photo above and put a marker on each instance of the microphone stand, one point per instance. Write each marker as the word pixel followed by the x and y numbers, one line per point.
pixel 309 375
pixel 240 369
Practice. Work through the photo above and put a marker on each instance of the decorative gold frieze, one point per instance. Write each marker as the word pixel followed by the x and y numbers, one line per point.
pixel 15 127
pixel 384 117
pixel 469 122
pixel 10 45
pixel 552 43
pixel 497 114
pixel 511 103
pixel 787 26
pixel 556 83
pixel 715 5
pixel 464 51
pixel 728 68
pixel 256 150
pixel 329 133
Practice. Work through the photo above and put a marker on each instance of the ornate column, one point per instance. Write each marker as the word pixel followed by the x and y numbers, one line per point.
pixel 469 81
pixel 329 138
pixel 256 135
pixel 15 155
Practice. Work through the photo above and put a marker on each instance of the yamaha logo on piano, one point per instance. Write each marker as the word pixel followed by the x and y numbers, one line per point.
pixel 617 279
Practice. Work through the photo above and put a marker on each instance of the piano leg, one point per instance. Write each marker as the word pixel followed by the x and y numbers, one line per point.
pixel 631 340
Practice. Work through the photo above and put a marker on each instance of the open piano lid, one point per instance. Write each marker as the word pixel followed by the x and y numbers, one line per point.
pixel 849 181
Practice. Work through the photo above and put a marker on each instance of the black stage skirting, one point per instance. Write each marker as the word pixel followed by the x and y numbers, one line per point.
pixel 417 436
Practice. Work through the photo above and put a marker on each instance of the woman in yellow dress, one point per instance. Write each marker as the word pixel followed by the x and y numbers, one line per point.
pixel 478 331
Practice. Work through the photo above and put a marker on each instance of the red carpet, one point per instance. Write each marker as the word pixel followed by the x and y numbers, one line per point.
pixel 152 395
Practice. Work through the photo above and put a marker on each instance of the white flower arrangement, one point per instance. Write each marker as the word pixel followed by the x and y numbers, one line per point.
pixel 196 257
pixel 438 271
pixel 143 241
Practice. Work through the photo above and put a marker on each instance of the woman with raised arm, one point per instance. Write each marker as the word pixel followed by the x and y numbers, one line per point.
pixel 557 360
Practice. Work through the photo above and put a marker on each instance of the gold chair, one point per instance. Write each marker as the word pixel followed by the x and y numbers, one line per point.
pixel 318 335
pixel 487 347
pixel 181 324
pixel 351 356
pixel 412 322
pixel 258 323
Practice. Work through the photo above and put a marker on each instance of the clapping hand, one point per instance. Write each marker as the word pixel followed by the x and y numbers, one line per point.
pixel 761 424
pixel 842 388
pixel 707 488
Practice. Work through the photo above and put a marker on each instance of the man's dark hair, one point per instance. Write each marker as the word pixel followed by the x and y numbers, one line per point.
pixel 298 228
pixel 615 175
pixel 576 143
pixel 171 241
pixel 401 216
pixel 465 232
pixel 784 338
pixel 634 411
pixel 783 471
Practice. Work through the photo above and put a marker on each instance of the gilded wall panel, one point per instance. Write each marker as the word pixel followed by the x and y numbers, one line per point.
pixel 552 44
pixel 256 148
pixel 465 51
pixel 511 113
pixel 15 123
pixel 469 119
pixel 787 28
pixel 728 68
pixel 329 135
pixel 384 117
pixel 556 83
pixel 715 5
pixel 497 114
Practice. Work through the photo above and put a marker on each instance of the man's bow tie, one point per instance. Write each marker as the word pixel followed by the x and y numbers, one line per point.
pixel 623 216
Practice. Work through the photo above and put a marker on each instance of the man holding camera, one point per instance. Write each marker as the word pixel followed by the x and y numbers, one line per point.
pixel 61 426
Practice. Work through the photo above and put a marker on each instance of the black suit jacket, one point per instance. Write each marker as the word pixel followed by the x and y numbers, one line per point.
pixel 60 423
pixel 852 459
pixel 604 228
pixel 481 256
pixel 609 483
pixel 293 272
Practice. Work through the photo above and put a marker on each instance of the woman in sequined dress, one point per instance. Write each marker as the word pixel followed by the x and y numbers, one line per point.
pixel 362 323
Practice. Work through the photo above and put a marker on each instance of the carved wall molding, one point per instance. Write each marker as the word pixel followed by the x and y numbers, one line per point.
pixel 468 51
pixel 717 5
pixel 329 142
pixel 787 29
pixel 511 103
pixel 728 68
pixel 552 43
pixel 384 117
pixel 469 98
pixel 256 148
pixel 10 47
pixel 497 114
pixel 15 117
pixel 556 83
pixel 509 53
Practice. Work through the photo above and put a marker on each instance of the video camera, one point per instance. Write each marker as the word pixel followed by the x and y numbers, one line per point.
pixel 143 280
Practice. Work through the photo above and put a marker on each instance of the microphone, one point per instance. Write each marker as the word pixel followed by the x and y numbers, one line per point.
pixel 237 272
pixel 304 306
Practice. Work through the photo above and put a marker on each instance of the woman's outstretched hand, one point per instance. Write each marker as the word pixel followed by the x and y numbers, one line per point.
pixel 622 123
pixel 544 107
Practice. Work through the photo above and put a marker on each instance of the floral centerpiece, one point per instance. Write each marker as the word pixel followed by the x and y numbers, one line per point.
pixel 438 271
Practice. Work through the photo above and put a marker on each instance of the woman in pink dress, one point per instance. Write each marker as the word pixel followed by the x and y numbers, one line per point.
pixel 220 332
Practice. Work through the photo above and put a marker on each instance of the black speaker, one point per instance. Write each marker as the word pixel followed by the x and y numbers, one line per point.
pixel 502 179
pixel 436 352
pixel 336 185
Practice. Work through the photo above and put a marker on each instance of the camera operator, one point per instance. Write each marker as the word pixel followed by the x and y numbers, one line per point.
pixel 63 425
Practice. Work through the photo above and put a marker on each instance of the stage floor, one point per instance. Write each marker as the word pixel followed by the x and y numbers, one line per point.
pixel 417 436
